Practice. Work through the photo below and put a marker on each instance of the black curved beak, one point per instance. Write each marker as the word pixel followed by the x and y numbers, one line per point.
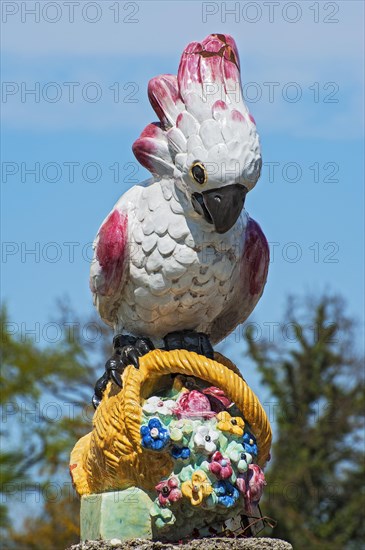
pixel 221 206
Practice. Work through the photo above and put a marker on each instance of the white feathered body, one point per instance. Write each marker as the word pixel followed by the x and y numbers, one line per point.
pixel 178 273
pixel 175 253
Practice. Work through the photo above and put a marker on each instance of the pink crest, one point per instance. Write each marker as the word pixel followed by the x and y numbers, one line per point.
pixel 151 150
pixel 182 101
pixel 164 96
pixel 152 130
pixel 214 60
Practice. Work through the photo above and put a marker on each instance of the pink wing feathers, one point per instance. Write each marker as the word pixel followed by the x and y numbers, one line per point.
pixel 254 266
pixel 255 262
pixel 109 266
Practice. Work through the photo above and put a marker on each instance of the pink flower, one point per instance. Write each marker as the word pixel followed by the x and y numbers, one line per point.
pixel 168 491
pixel 217 398
pixel 220 466
pixel 241 483
pixel 251 485
pixel 193 403
pixel 256 483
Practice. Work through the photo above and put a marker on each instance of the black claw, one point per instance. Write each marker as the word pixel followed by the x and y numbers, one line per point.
pixel 99 389
pixel 127 351
pixel 144 345
pixel 131 356
pixel 122 340
pixel 101 385
pixel 114 367
pixel 191 341
pixel 115 376
pixel 115 363
pixel 95 401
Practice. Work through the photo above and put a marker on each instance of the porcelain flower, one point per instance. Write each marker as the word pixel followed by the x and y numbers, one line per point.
pixel 180 434
pixel 154 435
pixel 249 443
pixel 162 516
pixel 205 439
pixel 230 424
pixel 234 450
pixel 181 430
pixel 241 483
pixel 244 462
pixel 236 453
pixel 155 405
pixel 227 493
pixel 255 483
pixel 168 491
pixel 180 453
pixel 220 466
pixel 197 488
pixel 217 398
pixel 193 404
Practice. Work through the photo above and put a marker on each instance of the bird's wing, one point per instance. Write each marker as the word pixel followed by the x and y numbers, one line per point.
pixel 254 266
pixel 110 264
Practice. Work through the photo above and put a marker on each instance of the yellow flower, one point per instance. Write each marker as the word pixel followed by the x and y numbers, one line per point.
pixel 197 488
pixel 227 423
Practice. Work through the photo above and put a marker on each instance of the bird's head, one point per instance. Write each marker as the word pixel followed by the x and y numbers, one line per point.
pixel 206 140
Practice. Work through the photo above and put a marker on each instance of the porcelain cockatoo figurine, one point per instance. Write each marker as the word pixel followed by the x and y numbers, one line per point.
pixel 179 263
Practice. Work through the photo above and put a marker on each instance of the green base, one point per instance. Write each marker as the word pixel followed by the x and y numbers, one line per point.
pixel 117 514
pixel 126 515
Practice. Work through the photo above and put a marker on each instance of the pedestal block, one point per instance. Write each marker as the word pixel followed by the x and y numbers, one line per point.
pixel 116 514
pixel 125 515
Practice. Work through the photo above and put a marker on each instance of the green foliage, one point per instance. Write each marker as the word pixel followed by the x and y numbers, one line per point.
pixel 58 527
pixel 45 403
pixel 316 477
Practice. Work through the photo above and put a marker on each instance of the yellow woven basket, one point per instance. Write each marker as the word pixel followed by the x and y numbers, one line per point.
pixel 111 457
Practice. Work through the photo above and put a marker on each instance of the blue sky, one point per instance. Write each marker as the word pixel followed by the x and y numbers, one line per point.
pixel 309 204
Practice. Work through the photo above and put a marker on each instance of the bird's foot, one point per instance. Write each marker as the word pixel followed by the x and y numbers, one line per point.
pixel 127 351
pixel 191 341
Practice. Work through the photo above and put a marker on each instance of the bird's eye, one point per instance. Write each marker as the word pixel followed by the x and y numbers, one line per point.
pixel 199 173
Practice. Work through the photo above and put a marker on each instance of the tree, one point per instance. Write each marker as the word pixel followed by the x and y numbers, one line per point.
pixel 45 401
pixel 315 479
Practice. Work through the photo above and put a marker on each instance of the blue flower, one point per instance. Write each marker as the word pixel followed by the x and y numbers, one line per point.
pixel 180 452
pixel 154 435
pixel 227 493
pixel 249 443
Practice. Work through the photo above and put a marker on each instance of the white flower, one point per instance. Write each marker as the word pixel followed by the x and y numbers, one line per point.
pixel 242 465
pixel 205 439
pixel 236 452
pixel 155 405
